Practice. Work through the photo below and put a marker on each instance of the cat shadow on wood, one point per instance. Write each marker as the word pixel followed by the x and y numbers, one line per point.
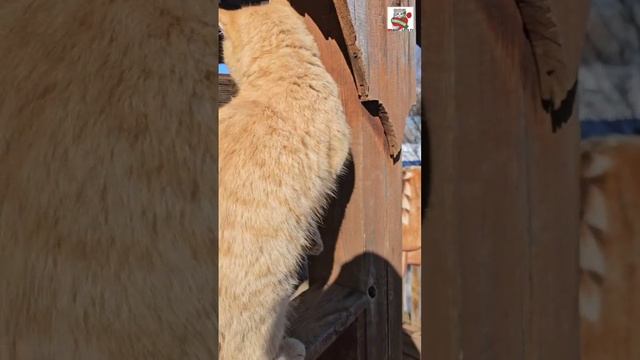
pixel 335 322
pixel 329 228
pixel 324 15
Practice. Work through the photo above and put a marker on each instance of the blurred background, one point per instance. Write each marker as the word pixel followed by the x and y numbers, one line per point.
pixel 609 109
pixel 412 221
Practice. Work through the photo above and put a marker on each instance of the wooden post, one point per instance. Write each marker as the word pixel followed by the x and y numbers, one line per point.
pixel 500 255
pixel 362 232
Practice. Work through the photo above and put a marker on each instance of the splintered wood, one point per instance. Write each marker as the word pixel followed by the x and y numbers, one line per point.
pixel 226 89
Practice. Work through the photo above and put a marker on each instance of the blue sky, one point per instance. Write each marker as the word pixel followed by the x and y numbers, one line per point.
pixel 223 69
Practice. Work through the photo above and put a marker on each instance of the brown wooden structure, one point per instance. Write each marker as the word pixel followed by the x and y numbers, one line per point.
pixel 502 218
pixel 353 310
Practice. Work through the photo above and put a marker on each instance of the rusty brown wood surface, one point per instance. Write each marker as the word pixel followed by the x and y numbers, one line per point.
pixel 500 254
pixel 554 202
pixel 381 60
pixel 363 231
pixel 322 318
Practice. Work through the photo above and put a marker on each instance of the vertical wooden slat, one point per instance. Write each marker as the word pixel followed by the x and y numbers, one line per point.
pixel 376 234
pixel 342 261
pixel 363 230
pixel 554 162
pixel 440 268
pixel 344 226
pixel 491 211
pixel 501 226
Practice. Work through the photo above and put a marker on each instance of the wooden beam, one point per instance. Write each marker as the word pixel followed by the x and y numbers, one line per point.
pixel 362 231
pixel 321 317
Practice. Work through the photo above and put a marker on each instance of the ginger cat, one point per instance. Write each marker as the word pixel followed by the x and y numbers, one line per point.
pixel 610 248
pixel 107 166
pixel 283 142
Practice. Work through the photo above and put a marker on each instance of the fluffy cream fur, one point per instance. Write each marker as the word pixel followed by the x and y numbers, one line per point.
pixel 107 168
pixel 283 141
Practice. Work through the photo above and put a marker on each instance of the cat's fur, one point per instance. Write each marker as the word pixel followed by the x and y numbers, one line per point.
pixel 283 142
pixel 610 248
pixel 107 165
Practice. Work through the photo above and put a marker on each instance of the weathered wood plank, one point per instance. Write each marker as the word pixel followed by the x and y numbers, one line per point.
pixel 554 165
pixel 351 345
pixel 440 271
pixel 362 233
pixel 491 201
pixel 347 12
pixel 381 60
pixel 321 317
pixel 383 282
pixel 343 228
pixel 342 232
pixel 500 279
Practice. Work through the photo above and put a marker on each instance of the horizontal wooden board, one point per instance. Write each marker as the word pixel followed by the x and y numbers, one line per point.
pixel 321 317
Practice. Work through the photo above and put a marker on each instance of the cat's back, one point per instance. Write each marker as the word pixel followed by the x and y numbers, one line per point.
pixel 257 142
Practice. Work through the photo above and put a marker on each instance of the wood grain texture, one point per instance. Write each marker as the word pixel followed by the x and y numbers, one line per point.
pixel 502 225
pixel 554 166
pixel 610 248
pixel 331 313
pixel 363 232
pixel 441 288
pixel 380 59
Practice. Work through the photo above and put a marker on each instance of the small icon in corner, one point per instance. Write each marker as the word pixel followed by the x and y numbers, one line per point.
pixel 400 18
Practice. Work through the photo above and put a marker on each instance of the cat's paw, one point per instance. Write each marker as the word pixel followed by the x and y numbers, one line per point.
pixel 316 245
pixel 291 349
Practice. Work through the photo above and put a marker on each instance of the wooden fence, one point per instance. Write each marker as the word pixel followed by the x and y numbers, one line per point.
pixel 502 195
pixel 354 309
